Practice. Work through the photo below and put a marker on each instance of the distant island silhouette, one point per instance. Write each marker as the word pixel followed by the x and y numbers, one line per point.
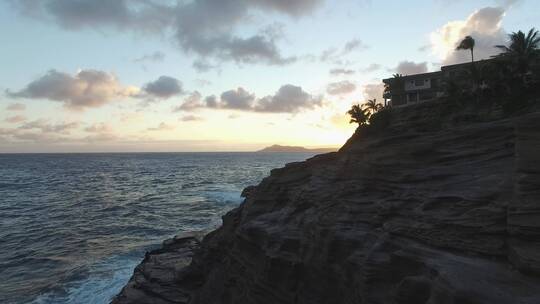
pixel 279 148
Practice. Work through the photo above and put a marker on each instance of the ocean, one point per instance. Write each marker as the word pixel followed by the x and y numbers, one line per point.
pixel 74 226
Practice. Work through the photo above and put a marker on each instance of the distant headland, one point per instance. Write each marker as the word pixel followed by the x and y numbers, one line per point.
pixel 278 148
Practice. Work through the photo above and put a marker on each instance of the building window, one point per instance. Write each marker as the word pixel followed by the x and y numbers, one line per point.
pixel 419 83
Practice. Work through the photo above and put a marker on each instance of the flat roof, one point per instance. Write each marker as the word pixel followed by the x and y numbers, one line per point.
pixel 425 75
pixel 415 76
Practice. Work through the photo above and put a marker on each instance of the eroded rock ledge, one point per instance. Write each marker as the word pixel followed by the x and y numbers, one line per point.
pixel 413 215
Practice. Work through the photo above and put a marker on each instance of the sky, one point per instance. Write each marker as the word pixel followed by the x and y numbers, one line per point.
pixel 220 75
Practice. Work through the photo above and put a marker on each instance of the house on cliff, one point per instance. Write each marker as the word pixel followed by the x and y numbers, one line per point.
pixel 412 89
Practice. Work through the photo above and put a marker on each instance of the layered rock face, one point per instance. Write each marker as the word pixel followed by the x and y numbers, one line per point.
pixel 411 215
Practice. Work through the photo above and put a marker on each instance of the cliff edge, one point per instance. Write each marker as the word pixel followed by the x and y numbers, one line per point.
pixel 414 214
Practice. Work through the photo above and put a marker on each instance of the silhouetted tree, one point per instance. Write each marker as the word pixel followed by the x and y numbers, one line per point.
pixel 372 106
pixel 467 44
pixel 359 115
pixel 522 50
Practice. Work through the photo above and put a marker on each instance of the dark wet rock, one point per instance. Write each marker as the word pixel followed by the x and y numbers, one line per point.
pixel 248 191
pixel 157 278
pixel 413 215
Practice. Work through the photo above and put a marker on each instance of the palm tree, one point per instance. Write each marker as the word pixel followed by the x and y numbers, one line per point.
pixel 467 44
pixel 359 115
pixel 372 106
pixel 522 50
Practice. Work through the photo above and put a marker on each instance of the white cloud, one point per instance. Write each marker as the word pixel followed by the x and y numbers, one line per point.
pixel 85 89
pixel 410 68
pixel 484 25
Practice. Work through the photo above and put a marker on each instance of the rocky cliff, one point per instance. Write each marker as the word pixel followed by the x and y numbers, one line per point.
pixel 415 214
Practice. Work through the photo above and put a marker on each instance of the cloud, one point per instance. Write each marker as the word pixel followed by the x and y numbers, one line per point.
pixel 100 137
pixel 45 127
pixel 99 128
pixel 191 102
pixel 207 28
pixel 484 25
pixel 85 89
pixel 238 99
pixel 15 119
pixel 140 15
pixel 162 127
pixel 340 71
pixel 340 88
pixel 409 67
pixel 353 45
pixel 202 66
pixel 188 118
pixel 39 131
pixel 16 107
pixel 288 99
pixel 164 87
pixel 156 56
pixel 373 91
pixel 293 8
pixel 100 132
pixel 371 68
pixel 335 54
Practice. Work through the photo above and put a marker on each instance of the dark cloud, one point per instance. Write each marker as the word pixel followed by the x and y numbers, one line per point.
pixel 153 57
pixel 288 99
pixel 238 99
pixel 340 88
pixel 16 107
pixel 202 66
pixel 293 8
pixel 340 71
pixel 409 67
pixel 139 15
pixel 207 28
pixel 86 89
pixel 164 87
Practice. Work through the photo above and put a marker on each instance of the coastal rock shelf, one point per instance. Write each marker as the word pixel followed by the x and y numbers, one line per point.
pixel 409 216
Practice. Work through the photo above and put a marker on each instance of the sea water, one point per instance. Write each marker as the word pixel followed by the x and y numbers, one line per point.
pixel 73 226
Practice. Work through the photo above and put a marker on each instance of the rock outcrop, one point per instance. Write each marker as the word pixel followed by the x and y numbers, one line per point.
pixel 412 215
